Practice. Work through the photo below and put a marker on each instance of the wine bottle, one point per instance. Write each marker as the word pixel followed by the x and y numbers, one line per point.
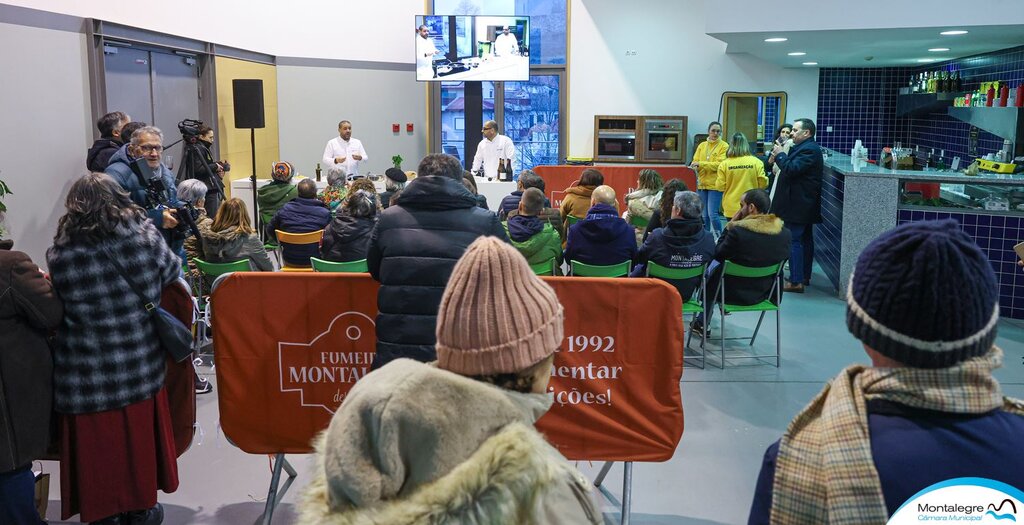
pixel 318 172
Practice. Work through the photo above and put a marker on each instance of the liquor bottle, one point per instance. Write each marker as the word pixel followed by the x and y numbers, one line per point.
pixel 924 82
pixel 958 84
pixel 318 172
pixel 944 82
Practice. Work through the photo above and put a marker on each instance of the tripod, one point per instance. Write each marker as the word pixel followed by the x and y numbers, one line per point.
pixel 195 153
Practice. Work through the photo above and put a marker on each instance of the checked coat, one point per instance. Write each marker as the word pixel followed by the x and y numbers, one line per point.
pixel 108 355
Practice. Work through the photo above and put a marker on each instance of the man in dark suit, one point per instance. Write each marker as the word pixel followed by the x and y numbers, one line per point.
pixel 798 199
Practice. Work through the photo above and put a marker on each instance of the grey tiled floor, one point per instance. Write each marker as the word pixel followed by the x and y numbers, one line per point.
pixel 731 416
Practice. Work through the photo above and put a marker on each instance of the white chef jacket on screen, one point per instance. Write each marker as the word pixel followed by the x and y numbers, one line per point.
pixel 506 45
pixel 338 147
pixel 425 50
pixel 489 151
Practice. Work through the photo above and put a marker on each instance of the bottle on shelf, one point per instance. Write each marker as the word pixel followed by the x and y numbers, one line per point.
pixel 990 95
pixel 318 172
pixel 947 78
pixel 958 85
pixel 923 83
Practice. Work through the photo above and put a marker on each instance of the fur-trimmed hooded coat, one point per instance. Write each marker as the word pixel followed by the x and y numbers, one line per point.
pixel 755 240
pixel 414 444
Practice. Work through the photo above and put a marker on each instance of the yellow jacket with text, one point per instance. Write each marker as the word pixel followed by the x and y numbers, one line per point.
pixel 709 155
pixel 736 175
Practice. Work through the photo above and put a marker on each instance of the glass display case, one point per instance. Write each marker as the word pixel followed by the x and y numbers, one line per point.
pixel 982 197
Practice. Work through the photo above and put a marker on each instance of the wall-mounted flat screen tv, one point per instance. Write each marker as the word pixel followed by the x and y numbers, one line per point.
pixel 461 47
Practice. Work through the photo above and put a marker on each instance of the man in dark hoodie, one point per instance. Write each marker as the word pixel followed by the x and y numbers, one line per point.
pixel 412 253
pixel 602 237
pixel 527 179
pixel 110 140
pixel 681 243
pixel 304 214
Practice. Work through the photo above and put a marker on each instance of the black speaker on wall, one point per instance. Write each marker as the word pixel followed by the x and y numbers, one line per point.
pixel 248 98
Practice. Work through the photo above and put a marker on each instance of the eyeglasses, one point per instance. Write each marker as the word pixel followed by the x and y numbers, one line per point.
pixel 150 148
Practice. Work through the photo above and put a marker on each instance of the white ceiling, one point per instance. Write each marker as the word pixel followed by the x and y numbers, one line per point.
pixel 886 47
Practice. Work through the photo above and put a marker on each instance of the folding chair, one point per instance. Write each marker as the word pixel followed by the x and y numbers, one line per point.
pixel 569 221
pixel 690 305
pixel 296 239
pixel 638 222
pixel 320 265
pixel 731 269
pixel 579 269
pixel 544 268
pixel 203 320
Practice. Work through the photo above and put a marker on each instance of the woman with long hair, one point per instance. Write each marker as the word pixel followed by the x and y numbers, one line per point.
pixel 705 160
pixel 664 209
pixel 739 172
pixel 117 445
pixel 232 237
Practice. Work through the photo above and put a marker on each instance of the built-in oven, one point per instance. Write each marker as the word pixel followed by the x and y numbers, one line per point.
pixel 615 138
pixel 664 139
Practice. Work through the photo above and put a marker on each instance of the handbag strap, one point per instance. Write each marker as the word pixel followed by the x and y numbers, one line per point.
pixel 148 305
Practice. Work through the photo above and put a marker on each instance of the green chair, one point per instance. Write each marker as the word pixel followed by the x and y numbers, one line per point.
pixel 690 305
pixel 638 221
pixel 731 269
pixel 544 268
pixel 569 221
pixel 212 270
pixel 579 269
pixel 320 265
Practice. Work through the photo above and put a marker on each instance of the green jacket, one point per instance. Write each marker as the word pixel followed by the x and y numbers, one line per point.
pixel 540 247
pixel 273 196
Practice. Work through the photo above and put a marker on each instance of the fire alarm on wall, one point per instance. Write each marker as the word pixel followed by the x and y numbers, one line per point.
pixel 408 127
pixel 394 128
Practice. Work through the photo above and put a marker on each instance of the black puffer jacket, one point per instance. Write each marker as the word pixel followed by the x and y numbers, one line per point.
pixel 99 154
pixel 412 252
pixel 755 241
pixel 347 238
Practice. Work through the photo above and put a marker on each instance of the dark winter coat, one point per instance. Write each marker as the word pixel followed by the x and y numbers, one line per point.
pixel 120 169
pixel 347 238
pixel 682 243
pixel 204 168
pixel 29 308
pixel 511 202
pixel 412 252
pixel 915 448
pixel 385 198
pixel 653 224
pixel 755 240
pixel 105 327
pixel 481 201
pixel 99 154
pixel 798 197
pixel 602 238
pixel 300 215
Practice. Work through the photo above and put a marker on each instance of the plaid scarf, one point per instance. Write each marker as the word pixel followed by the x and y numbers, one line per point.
pixel 825 472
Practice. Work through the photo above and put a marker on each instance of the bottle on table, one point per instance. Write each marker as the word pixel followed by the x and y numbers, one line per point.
pixel 318 172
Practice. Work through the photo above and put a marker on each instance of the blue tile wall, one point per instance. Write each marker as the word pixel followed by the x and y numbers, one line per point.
pixel 995 235
pixel 860 103
pixel 828 236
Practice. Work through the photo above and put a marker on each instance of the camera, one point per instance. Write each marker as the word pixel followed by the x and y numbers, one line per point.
pixel 189 128
pixel 156 197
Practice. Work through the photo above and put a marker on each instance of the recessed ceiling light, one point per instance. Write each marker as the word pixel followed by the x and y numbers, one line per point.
pixel 938 49
pixel 796 54
pixel 954 32
pixel 926 60
pixel 810 63
pixel 776 39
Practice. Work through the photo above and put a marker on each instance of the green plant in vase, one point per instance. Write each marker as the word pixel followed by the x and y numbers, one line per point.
pixel 397 161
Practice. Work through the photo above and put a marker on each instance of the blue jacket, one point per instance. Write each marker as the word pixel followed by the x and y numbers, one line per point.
pixel 682 243
pixel 602 238
pixel 915 448
pixel 120 169
pixel 300 215
pixel 511 202
pixel 798 196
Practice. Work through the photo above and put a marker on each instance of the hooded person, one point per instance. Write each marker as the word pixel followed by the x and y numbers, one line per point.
pixel 278 192
pixel 927 410
pixel 534 237
pixel 602 237
pixel 681 243
pixel 453 442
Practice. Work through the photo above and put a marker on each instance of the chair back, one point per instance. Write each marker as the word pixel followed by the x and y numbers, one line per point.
pixel 664 272
pixel 544 268
pixel 570 220
pixel 299 238
pixel 638 221
pixel 217 269
pixel 320 265
pixel 738 270
pixel 593 270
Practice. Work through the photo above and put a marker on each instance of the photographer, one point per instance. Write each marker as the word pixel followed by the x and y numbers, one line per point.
pixel 203 164
pixel 154 192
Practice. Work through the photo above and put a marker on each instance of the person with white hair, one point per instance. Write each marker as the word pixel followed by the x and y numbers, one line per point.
pixel 193 191
pixel 334 194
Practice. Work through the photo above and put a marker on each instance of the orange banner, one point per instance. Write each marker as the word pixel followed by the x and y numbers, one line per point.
pixel 290 346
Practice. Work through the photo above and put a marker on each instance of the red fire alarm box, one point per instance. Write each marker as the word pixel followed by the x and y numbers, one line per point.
pixel 394 128
pixel 408 127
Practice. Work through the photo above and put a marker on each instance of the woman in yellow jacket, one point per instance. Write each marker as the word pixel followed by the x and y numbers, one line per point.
pixel 705 160
pixel 739 172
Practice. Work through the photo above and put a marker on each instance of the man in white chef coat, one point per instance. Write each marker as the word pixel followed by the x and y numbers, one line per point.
pixel 506 45
pixel 493 147
pixel 344 151
pixel 425 52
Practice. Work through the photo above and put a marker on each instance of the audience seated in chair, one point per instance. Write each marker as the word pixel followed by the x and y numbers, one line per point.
pixel 394 181
pixel 681 243
pixel 752 238
pixel 602 238
pixel 577 198
pixel 303 214
pixel 642 202
pixel 274 196
pixel 536 239
pixel 194 191
pixel 367 186
pixel 231 238
pixel 927 410
pixel 664 208
pixel 527 179
pixel 470 183
pixel 348 235
pixel 334 194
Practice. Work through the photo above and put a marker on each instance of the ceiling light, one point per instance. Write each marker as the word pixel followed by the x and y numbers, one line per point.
pixel 954 32
pixel 938 49
pixel 922 60
pixel 796 54
pixel 776 39
pixel 810 63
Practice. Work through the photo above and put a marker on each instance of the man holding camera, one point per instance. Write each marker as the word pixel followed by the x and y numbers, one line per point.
pixel 139 169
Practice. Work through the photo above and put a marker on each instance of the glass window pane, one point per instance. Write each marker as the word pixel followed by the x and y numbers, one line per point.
pixel 547 22
pixel 532 120
pixel 453 116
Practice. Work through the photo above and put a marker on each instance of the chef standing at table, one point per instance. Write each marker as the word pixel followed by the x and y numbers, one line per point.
pixel 345 151
pixel 492 148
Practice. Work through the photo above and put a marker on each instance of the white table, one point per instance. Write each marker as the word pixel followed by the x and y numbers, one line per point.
pixel 494 191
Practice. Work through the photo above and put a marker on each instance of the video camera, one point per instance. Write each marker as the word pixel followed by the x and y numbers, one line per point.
pixel 189 129
pixel 156 197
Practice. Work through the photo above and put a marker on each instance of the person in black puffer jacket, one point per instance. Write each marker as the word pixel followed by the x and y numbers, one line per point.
pixel 681 243
pixel 348 235
pixel 413 250
pixel 110 140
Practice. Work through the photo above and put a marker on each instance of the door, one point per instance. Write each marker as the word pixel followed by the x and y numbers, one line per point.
pixel 175 98
pixel 128 83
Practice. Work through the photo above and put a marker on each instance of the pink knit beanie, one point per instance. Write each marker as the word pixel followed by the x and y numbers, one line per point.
pixel 496 316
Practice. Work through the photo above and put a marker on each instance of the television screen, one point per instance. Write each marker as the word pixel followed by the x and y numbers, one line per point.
pixel 462 47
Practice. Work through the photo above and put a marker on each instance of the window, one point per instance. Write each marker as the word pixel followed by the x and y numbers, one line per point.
pixel 453 115
pixel 532 120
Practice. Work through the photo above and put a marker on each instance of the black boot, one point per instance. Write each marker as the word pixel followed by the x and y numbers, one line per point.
pixel 151 516
pixel 116 519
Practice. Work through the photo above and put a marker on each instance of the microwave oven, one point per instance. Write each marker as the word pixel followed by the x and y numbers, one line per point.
pixel 664 140
pixel 615 138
